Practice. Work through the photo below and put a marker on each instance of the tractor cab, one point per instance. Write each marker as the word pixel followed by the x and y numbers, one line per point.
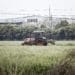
pixel 38 34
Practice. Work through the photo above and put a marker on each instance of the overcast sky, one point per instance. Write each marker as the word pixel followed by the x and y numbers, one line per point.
pixel 15 8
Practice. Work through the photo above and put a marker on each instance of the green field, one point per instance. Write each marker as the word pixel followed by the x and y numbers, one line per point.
pixel 33 60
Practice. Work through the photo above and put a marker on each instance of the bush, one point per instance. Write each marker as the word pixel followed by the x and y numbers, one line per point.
pixel 51 41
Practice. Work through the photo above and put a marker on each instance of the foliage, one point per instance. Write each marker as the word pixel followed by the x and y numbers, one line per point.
pixel 51 41
pixel 13 33
pixel 63 23
pixel 62 31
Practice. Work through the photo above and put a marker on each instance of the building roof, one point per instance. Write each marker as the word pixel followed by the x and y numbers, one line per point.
pixel 38 31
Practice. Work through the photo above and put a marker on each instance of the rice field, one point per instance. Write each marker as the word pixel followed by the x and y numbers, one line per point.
pixel 32 60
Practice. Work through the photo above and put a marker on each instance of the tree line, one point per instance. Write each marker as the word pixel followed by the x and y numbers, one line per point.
pixel 62 31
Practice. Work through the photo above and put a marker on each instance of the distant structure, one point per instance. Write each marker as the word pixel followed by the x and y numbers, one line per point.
pixel 36 20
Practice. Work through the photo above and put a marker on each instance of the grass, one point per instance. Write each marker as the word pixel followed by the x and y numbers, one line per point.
pixel 65 43
pixel 31 60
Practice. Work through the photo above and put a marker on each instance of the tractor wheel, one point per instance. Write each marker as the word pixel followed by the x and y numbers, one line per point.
pixel 45 44
pixel 22 44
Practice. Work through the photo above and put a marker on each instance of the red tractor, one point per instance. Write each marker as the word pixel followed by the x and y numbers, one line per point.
pixel 36 38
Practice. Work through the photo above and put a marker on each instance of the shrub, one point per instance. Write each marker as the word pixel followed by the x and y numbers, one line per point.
pixel 51 41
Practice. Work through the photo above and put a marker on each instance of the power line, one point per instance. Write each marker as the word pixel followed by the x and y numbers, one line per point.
pixel 24 11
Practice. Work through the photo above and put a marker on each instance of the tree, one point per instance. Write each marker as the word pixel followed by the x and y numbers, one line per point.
pixel 63 23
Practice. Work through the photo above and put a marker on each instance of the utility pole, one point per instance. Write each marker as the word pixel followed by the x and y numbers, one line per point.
pixel 50 18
